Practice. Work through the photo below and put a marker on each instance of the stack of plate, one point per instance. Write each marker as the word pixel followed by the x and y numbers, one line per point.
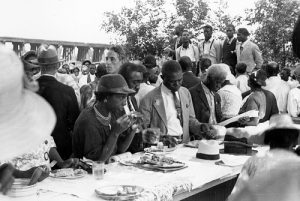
pixel 20 188
pixel 119 192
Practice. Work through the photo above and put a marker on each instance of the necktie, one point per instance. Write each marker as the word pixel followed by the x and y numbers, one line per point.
pixel 177 107
pixel 88 80
pixel 241 49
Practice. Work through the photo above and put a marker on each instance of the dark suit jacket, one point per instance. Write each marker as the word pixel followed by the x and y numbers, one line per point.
pixel 189 80
pixel 201 106
pixel 63 100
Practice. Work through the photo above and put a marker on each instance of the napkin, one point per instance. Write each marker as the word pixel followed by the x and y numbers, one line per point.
pixel 120 157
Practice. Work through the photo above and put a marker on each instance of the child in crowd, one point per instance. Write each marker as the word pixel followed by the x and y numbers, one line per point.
pixel 242 77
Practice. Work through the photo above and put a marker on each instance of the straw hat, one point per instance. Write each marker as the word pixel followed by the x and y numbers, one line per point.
pixel 46 55
pixel 27 60
pixel 114 83
pixel 26 119
pixel 281 121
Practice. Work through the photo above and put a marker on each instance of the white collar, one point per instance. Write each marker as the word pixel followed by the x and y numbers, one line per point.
pixel 230 40
pixel 209 41
pixel 244 43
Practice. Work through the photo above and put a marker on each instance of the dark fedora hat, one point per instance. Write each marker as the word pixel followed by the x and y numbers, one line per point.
pixel 114 83
pixel 47 54
pixel 86 62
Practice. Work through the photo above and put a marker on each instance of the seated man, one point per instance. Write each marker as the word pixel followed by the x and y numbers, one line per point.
pixel 170 108
pixel 207 102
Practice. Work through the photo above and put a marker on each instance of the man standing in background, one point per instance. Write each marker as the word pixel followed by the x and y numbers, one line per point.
pixel 210 48
pixel 248 52
pixel 229 45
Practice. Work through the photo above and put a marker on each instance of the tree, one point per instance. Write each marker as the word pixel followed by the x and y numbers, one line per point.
pixel 139 26
pixel 191 13
pixel 275 20
pixel 149 27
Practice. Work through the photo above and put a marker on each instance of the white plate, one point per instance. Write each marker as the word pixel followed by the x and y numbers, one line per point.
pixel 119 192
pixel 79 173
pixel 20 188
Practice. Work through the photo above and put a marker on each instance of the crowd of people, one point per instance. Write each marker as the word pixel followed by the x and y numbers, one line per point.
pixel 89 109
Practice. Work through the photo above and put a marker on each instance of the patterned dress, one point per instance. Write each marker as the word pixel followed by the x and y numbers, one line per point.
pixel 36 157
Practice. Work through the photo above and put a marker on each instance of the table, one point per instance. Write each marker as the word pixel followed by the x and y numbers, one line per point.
pixel 201 176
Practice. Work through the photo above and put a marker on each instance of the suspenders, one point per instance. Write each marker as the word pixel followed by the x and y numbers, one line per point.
pixel 210 45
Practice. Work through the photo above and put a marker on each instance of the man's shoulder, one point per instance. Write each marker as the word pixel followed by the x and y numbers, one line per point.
pixel 151 94
pixel 196 87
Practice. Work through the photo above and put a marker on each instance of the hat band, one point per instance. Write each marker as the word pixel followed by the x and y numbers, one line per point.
pixel 208 156
pixel 48 60
pixel 121 90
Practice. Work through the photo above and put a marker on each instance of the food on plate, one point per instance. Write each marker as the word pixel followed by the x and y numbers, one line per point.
pixel 119 191
pixel 155 159
pixel 67 172
pixel 151 135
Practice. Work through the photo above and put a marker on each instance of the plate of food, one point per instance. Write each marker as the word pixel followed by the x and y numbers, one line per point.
pixel 159 149
pixel 21 188
pixel 119 192
pixel 159 161
pixel 68 173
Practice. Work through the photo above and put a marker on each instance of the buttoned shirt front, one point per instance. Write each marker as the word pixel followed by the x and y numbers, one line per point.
pixel 208 49
pixel 190 52
pixel 173 123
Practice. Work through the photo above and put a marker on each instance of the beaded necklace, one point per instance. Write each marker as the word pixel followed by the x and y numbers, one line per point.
pixel 102 119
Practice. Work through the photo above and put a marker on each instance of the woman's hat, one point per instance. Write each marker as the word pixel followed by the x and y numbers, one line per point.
pixel 27 59
pixel 26 119
pixel 114 83
pixel 46 55
pixel 259 77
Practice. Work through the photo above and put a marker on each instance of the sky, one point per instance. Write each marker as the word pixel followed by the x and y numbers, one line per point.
pixel 69 20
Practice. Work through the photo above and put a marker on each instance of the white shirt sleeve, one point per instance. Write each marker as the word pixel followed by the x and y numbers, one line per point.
pixel 293 102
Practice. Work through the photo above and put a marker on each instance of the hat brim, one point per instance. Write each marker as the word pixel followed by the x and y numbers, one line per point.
pixel 36 62
pixel 122 90
pixel 30 64
pixel 238 143
pixel 27 126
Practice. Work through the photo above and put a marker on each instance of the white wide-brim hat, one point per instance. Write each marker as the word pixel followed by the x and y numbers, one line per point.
pixel 26 119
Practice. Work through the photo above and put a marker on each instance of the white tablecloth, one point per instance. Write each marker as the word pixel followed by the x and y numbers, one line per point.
pixel 159 186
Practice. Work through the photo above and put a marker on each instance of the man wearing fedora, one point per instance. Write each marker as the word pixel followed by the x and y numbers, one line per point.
pixel 170 107
pixel 61 97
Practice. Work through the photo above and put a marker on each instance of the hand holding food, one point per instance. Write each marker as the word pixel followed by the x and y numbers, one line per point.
pixel 122 124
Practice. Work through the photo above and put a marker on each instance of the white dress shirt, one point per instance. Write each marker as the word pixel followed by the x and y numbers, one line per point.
pixel 280 89
pixel 293 105
pixel 83 80
pixel 242 83
pixel 211 49
pixel 174 127
pixel 144 89
pixel 191 51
